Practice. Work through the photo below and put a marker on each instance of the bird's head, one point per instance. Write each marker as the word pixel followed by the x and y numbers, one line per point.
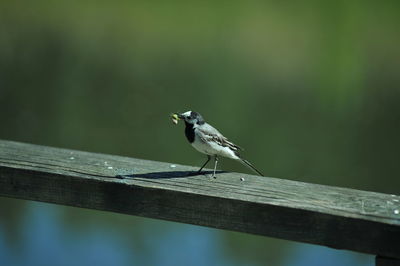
pixel 192 118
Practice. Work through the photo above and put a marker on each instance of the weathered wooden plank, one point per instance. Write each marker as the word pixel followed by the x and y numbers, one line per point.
pixel 336 217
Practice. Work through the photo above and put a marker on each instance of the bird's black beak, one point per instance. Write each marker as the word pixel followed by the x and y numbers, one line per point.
pixel 180 116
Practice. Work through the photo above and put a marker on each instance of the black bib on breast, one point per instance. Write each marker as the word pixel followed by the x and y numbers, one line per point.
pixel 189 132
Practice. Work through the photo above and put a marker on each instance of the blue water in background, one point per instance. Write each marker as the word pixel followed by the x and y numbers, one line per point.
pixel 47 241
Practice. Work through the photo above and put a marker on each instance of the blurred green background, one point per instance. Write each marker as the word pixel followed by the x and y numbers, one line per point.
pixel 311 89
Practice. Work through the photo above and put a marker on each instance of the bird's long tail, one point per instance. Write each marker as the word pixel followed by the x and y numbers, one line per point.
pixel 249 165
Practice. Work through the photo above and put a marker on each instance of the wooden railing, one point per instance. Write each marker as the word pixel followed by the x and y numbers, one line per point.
pixel 341 218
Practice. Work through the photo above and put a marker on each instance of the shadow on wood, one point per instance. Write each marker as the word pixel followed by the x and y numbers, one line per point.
pixel 168 174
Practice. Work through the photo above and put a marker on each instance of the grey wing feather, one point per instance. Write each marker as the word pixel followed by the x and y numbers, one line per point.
pixel 209 133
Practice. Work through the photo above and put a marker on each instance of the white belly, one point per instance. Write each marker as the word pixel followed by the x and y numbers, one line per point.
pixel 212 148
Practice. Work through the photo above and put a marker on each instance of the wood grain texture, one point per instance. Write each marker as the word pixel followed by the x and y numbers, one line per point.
pixel 331 216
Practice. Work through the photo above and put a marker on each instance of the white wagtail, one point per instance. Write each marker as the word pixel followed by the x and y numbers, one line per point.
pixel 206 139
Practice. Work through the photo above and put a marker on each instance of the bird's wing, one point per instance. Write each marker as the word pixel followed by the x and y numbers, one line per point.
pixel 208 133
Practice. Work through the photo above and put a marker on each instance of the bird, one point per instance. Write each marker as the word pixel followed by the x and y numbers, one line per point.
pixel 208 140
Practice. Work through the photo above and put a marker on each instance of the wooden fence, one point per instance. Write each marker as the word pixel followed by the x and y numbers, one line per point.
pixel 340 218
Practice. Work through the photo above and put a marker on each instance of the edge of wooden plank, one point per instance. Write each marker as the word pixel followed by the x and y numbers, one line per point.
pixel 133 197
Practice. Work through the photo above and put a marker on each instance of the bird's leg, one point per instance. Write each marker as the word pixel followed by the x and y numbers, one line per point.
pixel 215 165
pixel 208 159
